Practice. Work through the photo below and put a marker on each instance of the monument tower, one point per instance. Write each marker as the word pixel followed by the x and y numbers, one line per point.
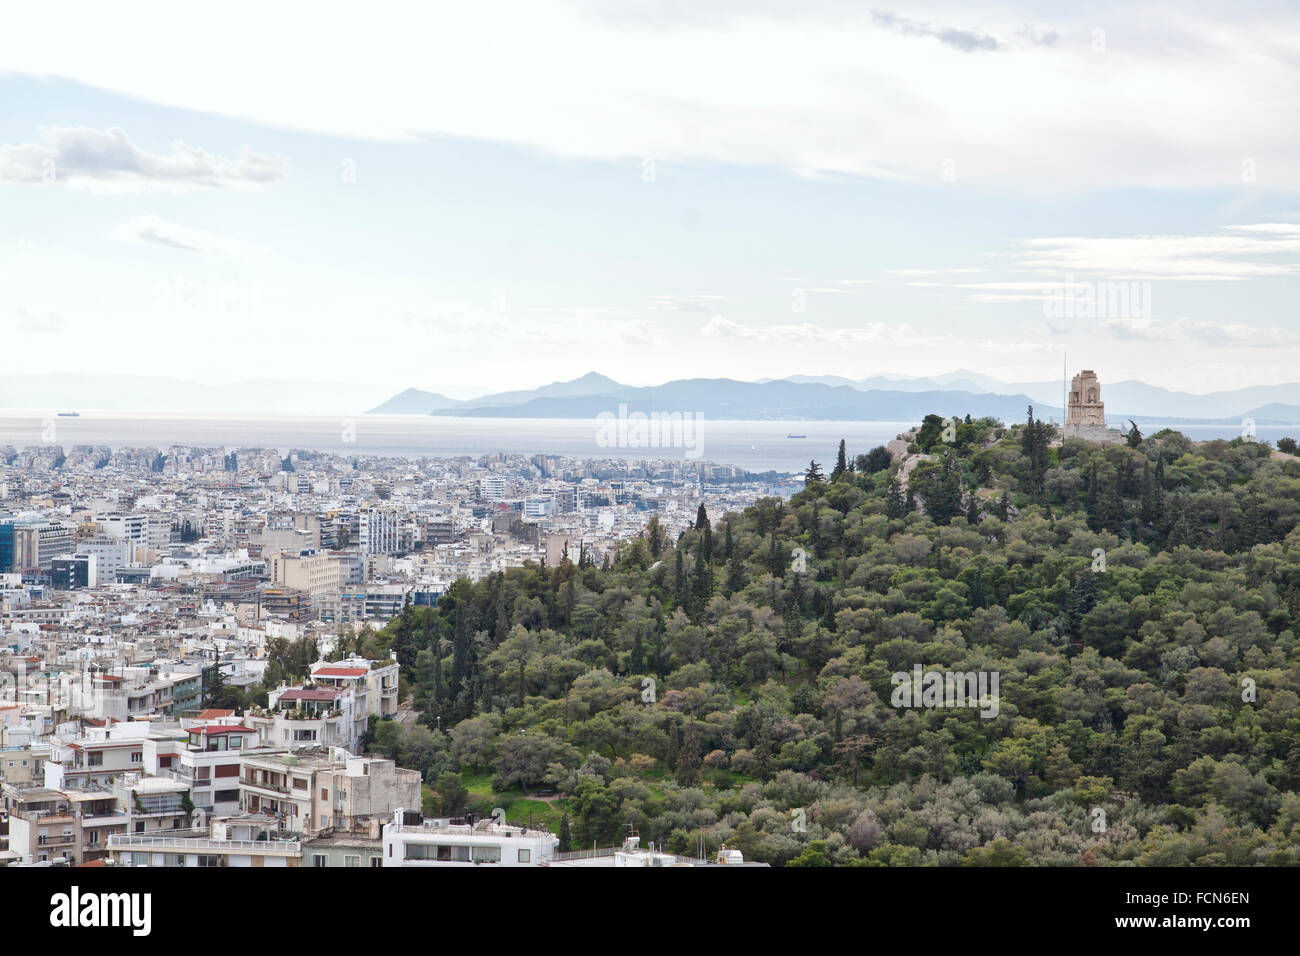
pixel 1086 415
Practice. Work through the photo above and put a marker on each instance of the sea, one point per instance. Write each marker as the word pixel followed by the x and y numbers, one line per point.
pixel 756 446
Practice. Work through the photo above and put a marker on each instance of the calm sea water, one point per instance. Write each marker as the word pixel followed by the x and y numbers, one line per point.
pixel 752 445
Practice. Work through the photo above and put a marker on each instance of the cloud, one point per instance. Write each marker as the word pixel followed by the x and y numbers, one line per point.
pixel 154 230
pixel 1047 267
pixel 23 319
pixel 965 40
pixel 873 333
pixel 1241 252
pixel 820 89
pixel 81 156
pixel 1181 331
pixel 687 303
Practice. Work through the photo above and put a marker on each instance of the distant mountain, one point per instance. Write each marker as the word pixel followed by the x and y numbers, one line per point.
pixel 413 401
pixel 1274 413
pixel 879 398
pixel 730 399
pixel 959 378
pixel 590 384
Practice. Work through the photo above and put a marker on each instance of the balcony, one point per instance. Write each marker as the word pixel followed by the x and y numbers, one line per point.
pixel 128 842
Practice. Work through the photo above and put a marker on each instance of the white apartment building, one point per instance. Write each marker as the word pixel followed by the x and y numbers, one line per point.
pixel 148 530
pixel 321 789
pixel 539 506
pixel 206 758
pixel 110 554
pixel 448 843
pixel 379 531
pixel 305 717
pixel 494 487
pixel 233 842
pixel 378 677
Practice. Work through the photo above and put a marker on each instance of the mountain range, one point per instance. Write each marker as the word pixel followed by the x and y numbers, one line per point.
pixel 874 398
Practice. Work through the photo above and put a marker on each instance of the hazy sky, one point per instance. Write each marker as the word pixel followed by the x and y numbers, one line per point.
pixel 492 196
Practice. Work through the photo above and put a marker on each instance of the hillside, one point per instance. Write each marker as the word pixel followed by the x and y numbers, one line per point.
pixel 1127 618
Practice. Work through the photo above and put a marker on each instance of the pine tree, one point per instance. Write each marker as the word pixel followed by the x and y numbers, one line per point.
pixel 895 507
pixel 813 476
pixel 701 518
pixel 735 581
pixel 679 579
pixel 841 464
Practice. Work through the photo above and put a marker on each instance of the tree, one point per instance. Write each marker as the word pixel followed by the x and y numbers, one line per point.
pixel 841 464
pixel 701 518
pixel 876 460
pixel 813 476
pixel 895 506
pixel 523 760
pixel 565 835
pixel 814 854
pixel 450 795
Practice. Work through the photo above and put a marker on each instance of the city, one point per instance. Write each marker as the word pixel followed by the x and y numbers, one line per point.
pixel 135 581
pixel 858 444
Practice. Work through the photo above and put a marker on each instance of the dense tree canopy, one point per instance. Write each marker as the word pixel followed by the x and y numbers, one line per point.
pixel 1139 602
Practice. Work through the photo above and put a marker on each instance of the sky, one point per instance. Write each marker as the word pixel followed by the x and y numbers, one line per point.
pixel 470 198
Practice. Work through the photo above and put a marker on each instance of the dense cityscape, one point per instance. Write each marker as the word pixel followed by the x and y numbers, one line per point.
pixel 137 584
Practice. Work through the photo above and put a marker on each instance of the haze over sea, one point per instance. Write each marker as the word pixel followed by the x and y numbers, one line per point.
pixel 752 445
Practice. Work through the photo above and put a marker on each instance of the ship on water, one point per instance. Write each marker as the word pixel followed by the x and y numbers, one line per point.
pixel 69 414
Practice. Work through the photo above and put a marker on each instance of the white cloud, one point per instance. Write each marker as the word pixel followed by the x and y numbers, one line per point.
pixel 873 333
pixel 1173 101
pixel 154 230
pixel 107 159
pixel 1265 250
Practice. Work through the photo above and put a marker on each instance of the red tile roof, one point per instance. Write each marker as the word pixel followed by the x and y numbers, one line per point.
pixel 212 713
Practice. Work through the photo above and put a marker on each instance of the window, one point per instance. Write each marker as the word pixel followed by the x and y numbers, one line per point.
pixel 324 794
pixel 352 861
pixel 524 856
pixel 324 820
pixel 299 783
pixel 377 861
pixel 136 756
pixel 95 758
pixel 487 854
pixel 318 859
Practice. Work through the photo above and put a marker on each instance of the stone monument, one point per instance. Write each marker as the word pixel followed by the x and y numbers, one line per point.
pixel 1086 414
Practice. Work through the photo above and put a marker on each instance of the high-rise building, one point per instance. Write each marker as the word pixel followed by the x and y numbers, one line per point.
pixel 379 532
